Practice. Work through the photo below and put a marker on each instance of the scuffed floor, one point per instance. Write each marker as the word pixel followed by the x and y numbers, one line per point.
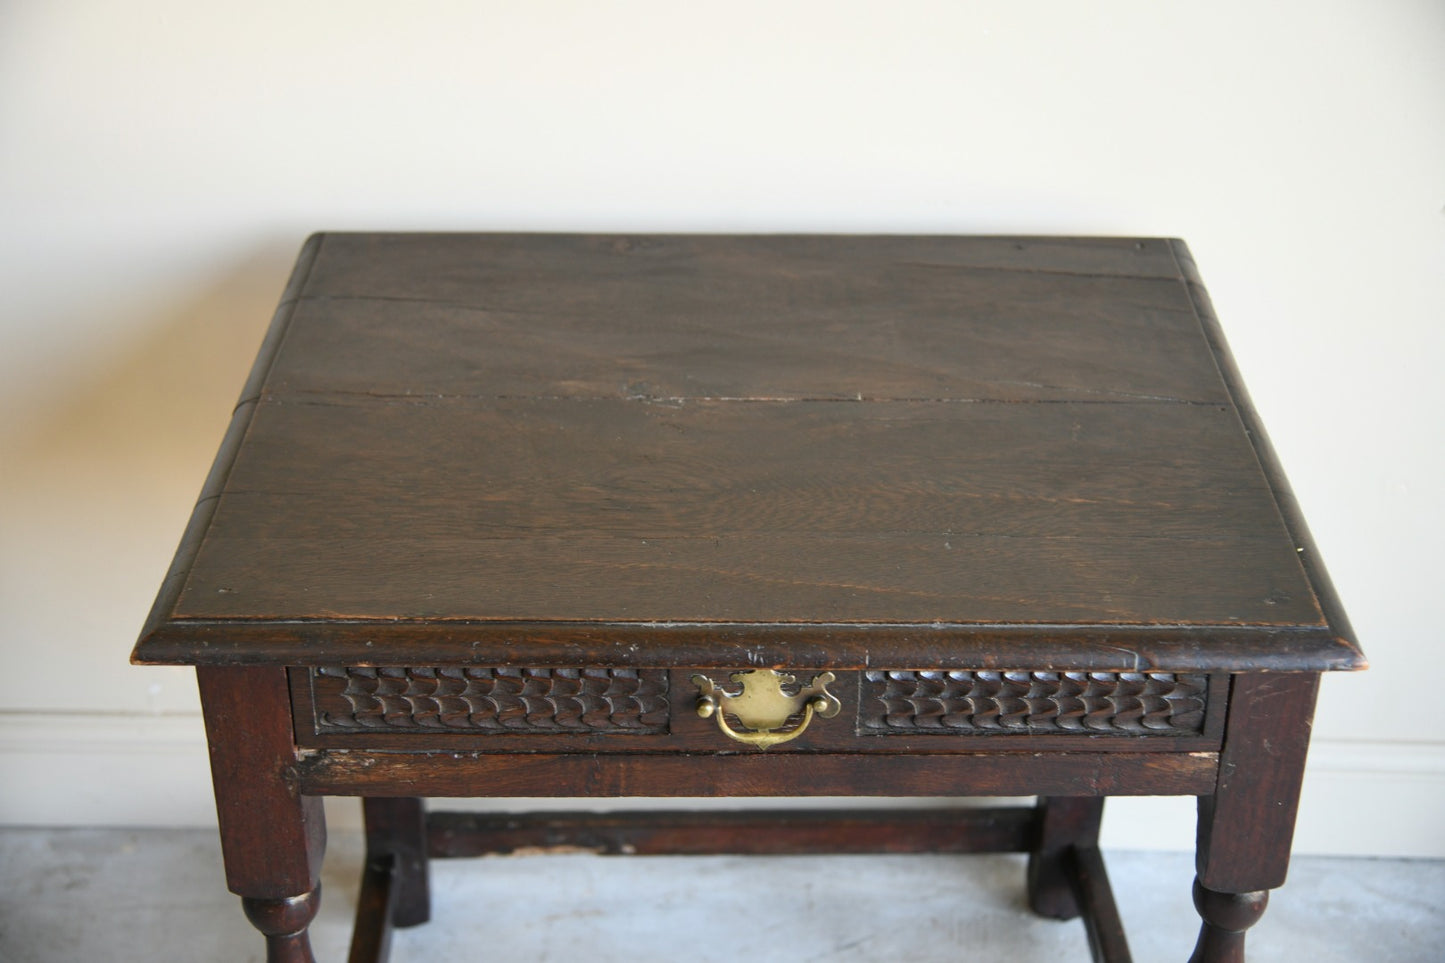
pixel 144 895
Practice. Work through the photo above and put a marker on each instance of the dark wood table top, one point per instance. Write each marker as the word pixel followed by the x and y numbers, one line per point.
pixel 768 450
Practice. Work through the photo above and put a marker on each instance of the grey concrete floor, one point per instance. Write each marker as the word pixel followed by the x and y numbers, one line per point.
pixel 133 895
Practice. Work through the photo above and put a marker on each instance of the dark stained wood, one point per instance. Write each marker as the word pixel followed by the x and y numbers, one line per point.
pixel 822 645
pixel 1247 824
pixel 375 910
pixel 1096 903
pixel 620 469
pixel 231 443
pixel 1066 875
pixel 284 923
pixel 1003 710
pixel 462 267
pixel 483 493
pixel 272 836
pixel 1226 918
pixel 530 709
pixel 609 434
pixel 710 318
pixel 492 700
pixel 702 346
pixel 1036 703
pixel 1293 518
pixel 972 513
pixel 396 836
pixel 1064 823
pixel 280 328
pixel 719 580
pixel 756 832
pixel 751 773
pixel 158 621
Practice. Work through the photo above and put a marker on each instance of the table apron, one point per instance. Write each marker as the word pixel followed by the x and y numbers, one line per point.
pixel 752 773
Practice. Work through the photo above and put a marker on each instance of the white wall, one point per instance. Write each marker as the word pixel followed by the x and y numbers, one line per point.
pixel 161 162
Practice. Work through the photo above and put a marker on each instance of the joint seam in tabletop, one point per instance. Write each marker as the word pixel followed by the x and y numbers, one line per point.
pixel 930 265
pixel 345 398
pixel 255 387
pixel 763 535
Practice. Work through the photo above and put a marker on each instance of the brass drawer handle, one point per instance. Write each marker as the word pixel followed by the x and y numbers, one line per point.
pixel 763 707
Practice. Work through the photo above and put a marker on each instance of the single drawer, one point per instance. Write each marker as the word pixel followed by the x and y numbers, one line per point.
pixel 606 709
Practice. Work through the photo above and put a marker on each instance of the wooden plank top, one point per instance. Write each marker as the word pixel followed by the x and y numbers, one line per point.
pixel 724 450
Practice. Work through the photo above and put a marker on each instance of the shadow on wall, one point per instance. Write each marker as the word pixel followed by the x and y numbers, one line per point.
pixel 171 389
pixel 97 486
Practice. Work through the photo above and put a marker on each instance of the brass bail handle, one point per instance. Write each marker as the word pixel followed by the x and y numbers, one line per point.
pixel 763 707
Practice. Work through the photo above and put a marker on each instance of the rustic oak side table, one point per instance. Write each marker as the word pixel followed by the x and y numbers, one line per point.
pixel 686 516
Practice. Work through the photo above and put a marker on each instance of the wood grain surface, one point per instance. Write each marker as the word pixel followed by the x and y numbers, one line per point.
pixel 541 775
pixel 747 432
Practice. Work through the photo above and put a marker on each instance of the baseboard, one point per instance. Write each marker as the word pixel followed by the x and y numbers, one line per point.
pixel 103 769
pixel 1360 798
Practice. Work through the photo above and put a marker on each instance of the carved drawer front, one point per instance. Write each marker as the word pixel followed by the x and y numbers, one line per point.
pixel 1022 702
pixel 542 709
pixel 362 703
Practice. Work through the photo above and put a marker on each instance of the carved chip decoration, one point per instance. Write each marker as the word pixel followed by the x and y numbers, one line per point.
pixel 988 702
pixel 490 700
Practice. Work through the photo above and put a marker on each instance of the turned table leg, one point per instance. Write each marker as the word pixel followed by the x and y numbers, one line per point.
pixel 284 923
pixel 272 838
pixel 1247 825
pixel 1226 916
